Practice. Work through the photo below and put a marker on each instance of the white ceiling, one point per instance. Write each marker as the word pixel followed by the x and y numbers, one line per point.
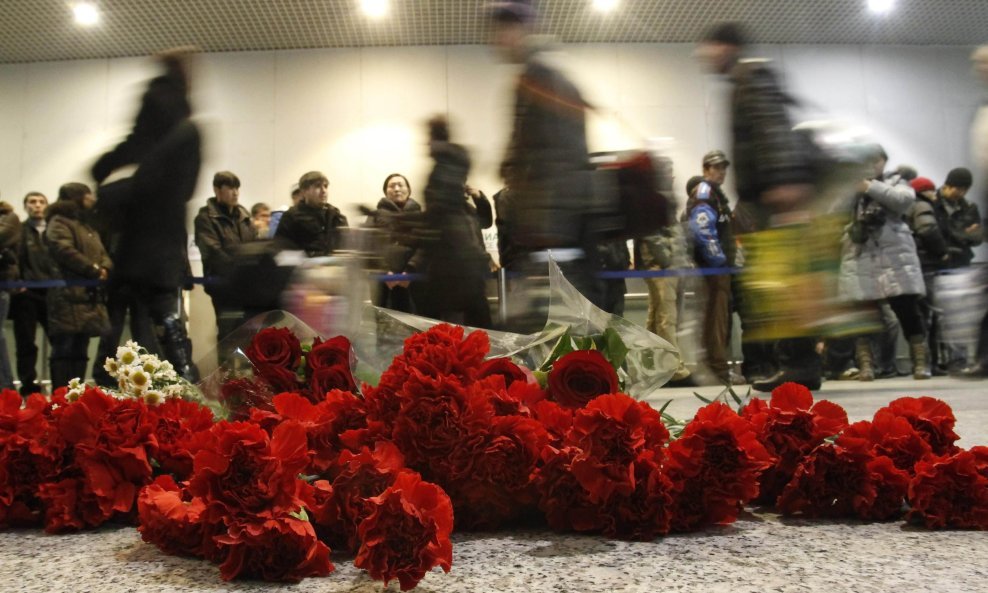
pixel 41 30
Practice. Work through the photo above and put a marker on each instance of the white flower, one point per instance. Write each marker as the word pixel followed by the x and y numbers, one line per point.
pixel 73 394
pixel 150 365
pixel 173 390
pixel 75 384
pixel 111 366
pixel 140 379
pixel 126 354
pixel 132 345
pixel 153 397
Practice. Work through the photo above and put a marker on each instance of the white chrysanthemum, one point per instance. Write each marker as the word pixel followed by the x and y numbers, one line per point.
pixel 166 366
pixel 73 394
pixel 132 345
pixel 75 384
pixel 140 379
pixel 111 366
pixel 173 390
pixel 150 365
pixel 127 355
pixel 153 397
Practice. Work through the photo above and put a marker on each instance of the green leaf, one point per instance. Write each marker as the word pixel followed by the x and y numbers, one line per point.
pixel 585 343
pixel 703 399
pixel 542 377
pixel 564 345
pixel 301 515
pixel 614 347
pixel 662 410
pixel 735 397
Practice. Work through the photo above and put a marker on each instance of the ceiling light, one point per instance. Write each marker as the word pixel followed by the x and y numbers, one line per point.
pixel 374 8
pixel 881 6
pixel 85 14
pixel 605 5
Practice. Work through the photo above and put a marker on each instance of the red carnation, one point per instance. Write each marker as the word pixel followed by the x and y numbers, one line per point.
pixel 714 468
pixel 277 347
pixel 840 482
pixel 241 469
pixel 277 549
pixel 176 425
pixel 443 350
pixel 407 532
pixel 931 417
pixel 324 423
pixel 362 476
pixel 170 522
pixel 889 435
pixel 612 432
pixel 789 427
pixel 580 376
pixel 951 491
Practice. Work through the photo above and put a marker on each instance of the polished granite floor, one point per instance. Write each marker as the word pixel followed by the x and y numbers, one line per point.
pixel 758 553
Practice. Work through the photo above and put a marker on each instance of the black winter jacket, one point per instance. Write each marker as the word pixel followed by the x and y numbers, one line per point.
pixel 218 231
pixel 313 229
pixel 954 222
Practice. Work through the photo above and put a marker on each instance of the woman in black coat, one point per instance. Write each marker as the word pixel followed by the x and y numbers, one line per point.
pixel 146 213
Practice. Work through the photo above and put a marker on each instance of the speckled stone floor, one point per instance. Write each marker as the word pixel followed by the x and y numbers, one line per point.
pixel 761 552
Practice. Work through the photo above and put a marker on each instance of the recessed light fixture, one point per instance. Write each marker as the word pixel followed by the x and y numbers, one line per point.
pixel 881 6
pixel 85 14
pixel 375 9
pixel 605 5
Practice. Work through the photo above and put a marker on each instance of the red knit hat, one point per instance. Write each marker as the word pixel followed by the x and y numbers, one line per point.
pixel 921 184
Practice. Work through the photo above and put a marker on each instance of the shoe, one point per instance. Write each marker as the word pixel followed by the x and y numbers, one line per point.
pixel 978 370
pixel 850 374
pixel 737 378
pixel 30 389
pixel 918 354
pixel 687 381
pixel 810 381
pixel 862 355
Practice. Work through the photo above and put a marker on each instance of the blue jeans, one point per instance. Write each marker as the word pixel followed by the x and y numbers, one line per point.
pixel 6 374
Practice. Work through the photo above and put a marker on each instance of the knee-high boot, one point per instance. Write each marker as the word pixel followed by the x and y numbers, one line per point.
pixel 178 348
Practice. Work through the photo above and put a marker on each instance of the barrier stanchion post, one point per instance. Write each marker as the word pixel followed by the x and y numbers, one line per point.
pixel 502 295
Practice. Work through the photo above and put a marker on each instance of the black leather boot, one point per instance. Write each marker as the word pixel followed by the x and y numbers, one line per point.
pixel 178 348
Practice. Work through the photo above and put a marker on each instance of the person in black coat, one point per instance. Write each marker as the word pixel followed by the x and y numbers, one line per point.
pixel 28 307
pixel 221 226
pixel 397 258
pixel 313 224
pixel 146 213
pixel 457 263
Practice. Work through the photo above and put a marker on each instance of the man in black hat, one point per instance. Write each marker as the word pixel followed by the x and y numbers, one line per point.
pixel 708 216
pixel 773 172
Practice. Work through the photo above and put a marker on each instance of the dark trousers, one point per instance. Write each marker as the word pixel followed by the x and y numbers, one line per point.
pixel 613 299
pixel 121 299
pixel 398 298
pixel 28 309
pixel 69 354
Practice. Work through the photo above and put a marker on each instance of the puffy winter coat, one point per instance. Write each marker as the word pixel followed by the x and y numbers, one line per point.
pixel 885 264
pixel 313 229
pixel 76 249
pixel 10 237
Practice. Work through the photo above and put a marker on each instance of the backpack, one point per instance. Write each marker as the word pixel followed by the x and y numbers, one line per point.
pixel 633 189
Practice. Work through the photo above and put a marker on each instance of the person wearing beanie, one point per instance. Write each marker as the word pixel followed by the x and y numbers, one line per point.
pixel 773 172
pixel 959 219
pixel 931 247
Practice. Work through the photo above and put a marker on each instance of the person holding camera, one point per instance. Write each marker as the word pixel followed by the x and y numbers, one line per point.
pixel 879 262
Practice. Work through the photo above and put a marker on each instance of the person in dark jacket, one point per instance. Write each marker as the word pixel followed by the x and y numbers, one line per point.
pixel 547 161
pixel 614 256
pixel 931 247
pixel 220 227
pixel 457 263
pixel 147 212
pixel 397 257
pixel 75 313
pixel 28 306
pixel 959 219
pixel 772 170
pixel 313 224
pixel 10 236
